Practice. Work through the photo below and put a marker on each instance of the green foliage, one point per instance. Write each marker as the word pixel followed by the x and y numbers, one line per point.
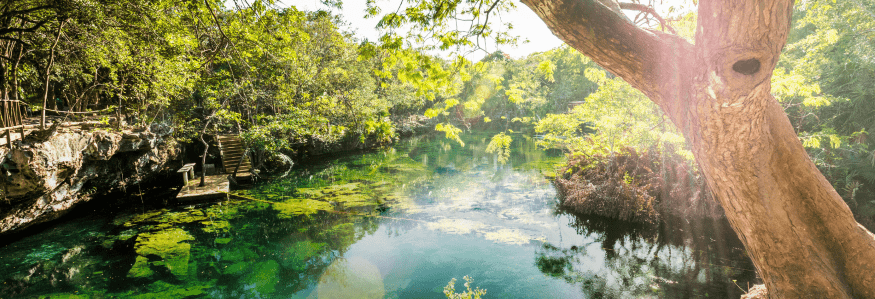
pixel 824 81
pixel 614 117
pixel 451 132
pixel 456 26
pixel 500 146
pixel 281 77
pixel 468 293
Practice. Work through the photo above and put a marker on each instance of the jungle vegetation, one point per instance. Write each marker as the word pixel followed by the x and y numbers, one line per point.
pixel 286 79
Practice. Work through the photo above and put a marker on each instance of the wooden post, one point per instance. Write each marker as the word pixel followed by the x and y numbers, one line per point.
pixel 4 118
pixel 20 119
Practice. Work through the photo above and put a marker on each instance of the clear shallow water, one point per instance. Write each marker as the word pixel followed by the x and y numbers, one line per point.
pixel 394 223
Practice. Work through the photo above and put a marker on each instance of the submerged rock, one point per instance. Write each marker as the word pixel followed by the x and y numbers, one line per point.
pixel 41 181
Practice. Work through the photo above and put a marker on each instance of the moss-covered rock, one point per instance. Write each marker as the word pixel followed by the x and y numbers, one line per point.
pixel 169 245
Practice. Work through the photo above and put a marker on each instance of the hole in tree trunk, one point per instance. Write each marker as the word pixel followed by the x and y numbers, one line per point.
pixel 747 67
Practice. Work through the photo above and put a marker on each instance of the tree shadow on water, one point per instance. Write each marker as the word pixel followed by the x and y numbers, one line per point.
pixel 678 258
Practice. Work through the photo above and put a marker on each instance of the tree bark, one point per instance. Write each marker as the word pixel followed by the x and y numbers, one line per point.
pixel 798 231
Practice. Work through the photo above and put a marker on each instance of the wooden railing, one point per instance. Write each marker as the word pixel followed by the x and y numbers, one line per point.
pixel 11 119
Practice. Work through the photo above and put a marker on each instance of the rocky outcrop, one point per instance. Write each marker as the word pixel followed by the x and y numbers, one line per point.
pixel 42 181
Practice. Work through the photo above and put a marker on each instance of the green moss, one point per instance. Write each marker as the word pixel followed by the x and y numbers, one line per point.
pixel 44 252
pixel 161 289
pixel 141 268
pixel 238 254
pixel 188 216
pixel 233 208
pixel 345 188
pixel 350 195
pixel 216 226
pixel 167 244
pixel 310 192
pixel 145 217
pixel 64 296
pixel 108 243
pixel 296 256
pixel 223 240
pixel 127 234
pixel 237 268
pixel 300 206
pixel 353 200
pixel 263 278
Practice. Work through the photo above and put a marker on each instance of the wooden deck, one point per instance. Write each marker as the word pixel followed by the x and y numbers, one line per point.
pixel 215 187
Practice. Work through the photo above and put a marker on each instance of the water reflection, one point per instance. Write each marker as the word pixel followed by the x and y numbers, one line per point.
pixel 395 223
pixel 681 258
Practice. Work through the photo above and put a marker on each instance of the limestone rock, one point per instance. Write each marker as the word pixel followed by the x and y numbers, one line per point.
pixel 102 145
pixel 42 180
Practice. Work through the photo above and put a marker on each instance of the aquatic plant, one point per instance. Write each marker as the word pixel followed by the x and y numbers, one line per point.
pixel 450 290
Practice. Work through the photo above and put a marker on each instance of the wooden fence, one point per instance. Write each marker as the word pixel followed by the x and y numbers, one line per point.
pixel 11 119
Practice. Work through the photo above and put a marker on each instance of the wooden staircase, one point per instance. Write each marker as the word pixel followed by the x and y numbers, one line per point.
pixel 231 148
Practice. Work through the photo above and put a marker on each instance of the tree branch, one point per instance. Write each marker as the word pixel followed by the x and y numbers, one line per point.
pixel 14 39
pixel 647 10
pixel 24 11
pixel 651 61
pixel 31 29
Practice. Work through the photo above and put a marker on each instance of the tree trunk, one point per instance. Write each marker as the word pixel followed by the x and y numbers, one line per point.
pixel 42 122
pixel 798 231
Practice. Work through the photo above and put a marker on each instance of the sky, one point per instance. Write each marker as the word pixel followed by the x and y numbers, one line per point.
pixel 526 23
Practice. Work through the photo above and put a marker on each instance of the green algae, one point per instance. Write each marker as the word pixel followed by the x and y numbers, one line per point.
pixel 169 245
pixel 230 245
pixel 236 268
pixel 300 206
pixel 216 226
pixel 350 195
pixel 127 234
pixel 65 296
pixel 44 252
pixel 238 254
pixel 263 278
pixel 141 268
pixel 160 289
pixel 296 256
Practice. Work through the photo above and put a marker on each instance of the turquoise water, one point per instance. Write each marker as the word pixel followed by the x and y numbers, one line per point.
pixel 399 222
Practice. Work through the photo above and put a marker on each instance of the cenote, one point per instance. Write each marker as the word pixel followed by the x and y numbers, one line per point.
pixel 398 222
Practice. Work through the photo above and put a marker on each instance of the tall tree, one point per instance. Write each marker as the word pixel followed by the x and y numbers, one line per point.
pixel 798 231
pixel 796 228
